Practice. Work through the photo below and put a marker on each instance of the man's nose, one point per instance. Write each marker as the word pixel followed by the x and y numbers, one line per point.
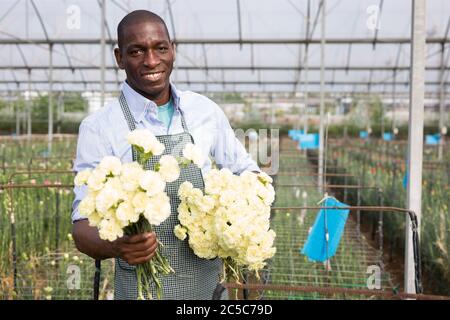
pixel 151 59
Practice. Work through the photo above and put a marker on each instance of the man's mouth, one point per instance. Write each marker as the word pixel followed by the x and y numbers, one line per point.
pixel 153 76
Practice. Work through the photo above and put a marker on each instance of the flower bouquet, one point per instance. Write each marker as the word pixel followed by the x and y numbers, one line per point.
pixel 229 220
pixel 124 198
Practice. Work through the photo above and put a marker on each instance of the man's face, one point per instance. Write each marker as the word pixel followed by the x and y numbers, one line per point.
pixel 147 55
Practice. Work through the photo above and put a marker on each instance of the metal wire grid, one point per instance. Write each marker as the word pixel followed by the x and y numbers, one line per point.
pixel 349 267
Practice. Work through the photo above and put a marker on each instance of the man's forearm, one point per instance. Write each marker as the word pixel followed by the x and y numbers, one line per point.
pixel 88 241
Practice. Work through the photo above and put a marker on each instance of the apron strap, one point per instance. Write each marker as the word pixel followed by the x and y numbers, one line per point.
pixel 130 119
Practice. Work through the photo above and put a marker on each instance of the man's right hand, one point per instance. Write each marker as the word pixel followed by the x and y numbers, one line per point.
pixel 136 249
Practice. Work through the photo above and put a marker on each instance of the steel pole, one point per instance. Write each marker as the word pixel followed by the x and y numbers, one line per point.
pixel 322 99
pixel 102 53
pixel 415 137
pixel 50 101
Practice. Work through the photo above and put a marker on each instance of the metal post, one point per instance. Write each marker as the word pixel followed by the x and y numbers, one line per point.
pixel 394 127
pixel 305 126
pixel 57 219
pixel 305 114
pixel 415 137
pixel 59 112
pixel 16 108
pixel 272 109
pixel 102 54
pixel 29 106
pixel 441 103
pixel 50 101
pixel 322 98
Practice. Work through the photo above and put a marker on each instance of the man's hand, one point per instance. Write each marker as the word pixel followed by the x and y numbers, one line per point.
pixel 136 249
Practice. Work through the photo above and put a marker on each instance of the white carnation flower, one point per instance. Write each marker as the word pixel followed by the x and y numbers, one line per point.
pixel 94 219
pixel 193 153
pixel 82 177
pixel 152 182
pixel 185 189
pixel 158 209
pixel 111 165
pixel 108 197
pixel 169 169
pixel 227 197
pixel 131 173
pixel 213 183
pixel 125 213
pixel 96 180
pixel 140 201
pixel 145 140
pixel 206 204
pixel 87 205
pixel 180 232
pixel 265 178
pixel 109 229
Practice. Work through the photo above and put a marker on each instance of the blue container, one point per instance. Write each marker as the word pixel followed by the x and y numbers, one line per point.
pixel 363 134
pixel 309 141
pixel 432 139
pixel 387 136
pixel 317 248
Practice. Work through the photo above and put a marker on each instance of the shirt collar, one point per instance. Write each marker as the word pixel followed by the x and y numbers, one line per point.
pixel 139 104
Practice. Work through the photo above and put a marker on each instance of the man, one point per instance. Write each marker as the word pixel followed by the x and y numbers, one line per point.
pixel 148 100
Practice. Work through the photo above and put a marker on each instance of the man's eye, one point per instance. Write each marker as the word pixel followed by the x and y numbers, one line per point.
pixel 136 52
pixel 163 49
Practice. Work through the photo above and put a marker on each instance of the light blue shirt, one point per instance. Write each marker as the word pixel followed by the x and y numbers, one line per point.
pixel 104 133
pixel 165 113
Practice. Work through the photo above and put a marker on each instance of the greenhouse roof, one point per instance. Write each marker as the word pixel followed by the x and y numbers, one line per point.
pixel 244 46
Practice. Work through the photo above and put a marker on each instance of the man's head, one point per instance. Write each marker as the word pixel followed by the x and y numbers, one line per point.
pixel 146 53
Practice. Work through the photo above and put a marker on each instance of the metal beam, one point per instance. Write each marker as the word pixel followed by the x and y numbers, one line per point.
pixel 331 83
pixel 9 10
pixel 172 21
pixel 280 41
pixel 378 23
pixel 238 4
pixel 40 20
pixel 238 68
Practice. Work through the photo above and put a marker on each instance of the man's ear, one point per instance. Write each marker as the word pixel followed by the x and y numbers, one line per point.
pixel 118 55
pixel 174 49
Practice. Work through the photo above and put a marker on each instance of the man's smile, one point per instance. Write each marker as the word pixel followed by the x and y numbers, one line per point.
pixel 153 76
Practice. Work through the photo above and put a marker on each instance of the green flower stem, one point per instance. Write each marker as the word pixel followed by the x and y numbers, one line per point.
pixel 150 271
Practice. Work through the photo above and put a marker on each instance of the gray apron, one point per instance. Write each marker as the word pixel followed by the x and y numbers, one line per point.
pixel 194 278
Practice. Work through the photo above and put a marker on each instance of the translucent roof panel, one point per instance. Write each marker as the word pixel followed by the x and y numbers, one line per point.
pixel 255 45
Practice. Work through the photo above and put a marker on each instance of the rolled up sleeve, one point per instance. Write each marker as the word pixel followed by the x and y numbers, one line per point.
pixel 228 151
pixel 92 146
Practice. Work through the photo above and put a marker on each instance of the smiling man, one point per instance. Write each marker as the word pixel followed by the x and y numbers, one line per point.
pixel 149 100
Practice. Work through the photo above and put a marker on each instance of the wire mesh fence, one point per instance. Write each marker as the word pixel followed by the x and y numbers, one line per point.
pixel 38 258
pixel 360 269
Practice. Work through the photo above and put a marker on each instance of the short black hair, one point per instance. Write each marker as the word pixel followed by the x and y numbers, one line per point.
pixel 138 16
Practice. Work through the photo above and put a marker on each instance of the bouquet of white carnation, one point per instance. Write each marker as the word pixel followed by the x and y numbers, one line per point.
pixel 124 198
pixel 230 220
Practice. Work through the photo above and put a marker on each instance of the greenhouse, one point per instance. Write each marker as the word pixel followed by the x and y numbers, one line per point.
pixel 292 149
